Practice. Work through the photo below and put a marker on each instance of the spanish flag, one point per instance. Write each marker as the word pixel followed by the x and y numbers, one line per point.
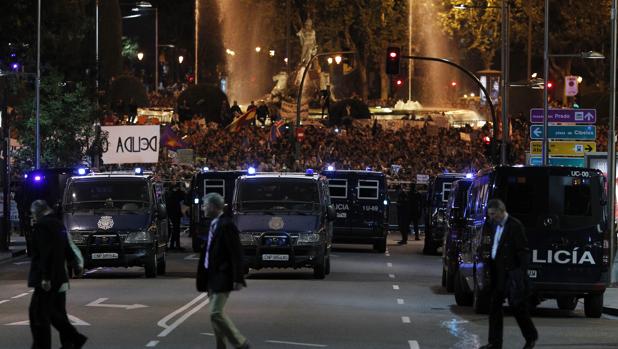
pixel 241 121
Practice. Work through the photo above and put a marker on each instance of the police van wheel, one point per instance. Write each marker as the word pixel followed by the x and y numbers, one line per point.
pixel 380 246
pixel 443 283
pixel 463 298
pixel 327 270
pixel 319 270
pixel 450 281
pixel 150 267
pixel 593 305
pixel 566 303
pixel 480 300
pixel 161 266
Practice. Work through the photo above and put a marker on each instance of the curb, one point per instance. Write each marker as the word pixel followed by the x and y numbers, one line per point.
pixel 610 311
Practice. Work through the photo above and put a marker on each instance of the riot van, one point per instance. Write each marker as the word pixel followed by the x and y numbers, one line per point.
pixel 43 184
pixel 118 220
pixel 222 182
pixel 285 221
pixel 563 210
pixel 435 214
pixel 453 231
pixel 361 201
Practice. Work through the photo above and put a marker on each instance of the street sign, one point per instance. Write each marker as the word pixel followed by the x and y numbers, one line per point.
pixel 580 116
pixel 570 85
pixel 557 161
pixel 564 148
pixel 580 132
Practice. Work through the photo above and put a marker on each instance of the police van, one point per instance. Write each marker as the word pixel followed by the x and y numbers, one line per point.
pixel 563 210
pixel 361 201
pixel 118 220
pixel 43 184
pixel 222 182
pixel 453 231
pixel 435 215
pixel 285 221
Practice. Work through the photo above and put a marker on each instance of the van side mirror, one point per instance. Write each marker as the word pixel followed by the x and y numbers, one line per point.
pixel 162 211
pixel 331 213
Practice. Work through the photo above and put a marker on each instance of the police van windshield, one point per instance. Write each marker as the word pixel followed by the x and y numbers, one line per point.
pixel 574 200
pixel 125 195
pixel 276 194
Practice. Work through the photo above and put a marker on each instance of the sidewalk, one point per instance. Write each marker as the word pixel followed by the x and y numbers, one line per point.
pixel 610 301
pixel 16 248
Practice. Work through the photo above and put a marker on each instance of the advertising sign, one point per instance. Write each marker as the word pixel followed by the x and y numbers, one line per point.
pixel 131 144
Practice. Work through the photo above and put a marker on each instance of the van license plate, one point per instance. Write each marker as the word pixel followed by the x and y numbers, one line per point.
pixel 532 274
pixel 105 256
pixel 275 257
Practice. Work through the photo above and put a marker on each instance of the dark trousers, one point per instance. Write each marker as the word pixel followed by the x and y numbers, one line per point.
pixel 415 225
pixel 496 313
pixel 404 228
pixel 49 308
pixel 175 235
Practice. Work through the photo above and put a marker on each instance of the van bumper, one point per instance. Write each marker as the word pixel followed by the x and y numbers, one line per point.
pixel 358 235
pixel 556 289
pixel 298 256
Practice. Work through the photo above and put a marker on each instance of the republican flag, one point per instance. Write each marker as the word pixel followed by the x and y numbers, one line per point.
pixel 241 121
pixel 171 140
pixel 275 130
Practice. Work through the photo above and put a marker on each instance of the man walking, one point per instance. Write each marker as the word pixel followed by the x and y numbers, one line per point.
pixel 508 274
pixel 403 215
pixel 174 212
pixel 220 270
pixel 415 202
pixel 52 250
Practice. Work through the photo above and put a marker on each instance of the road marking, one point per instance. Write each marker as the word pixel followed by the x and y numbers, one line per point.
pixel 395 287
pixel 392 276
pixel 98 303
pixel 20 295
pixel 298 344
pixel 208 334
pixel 405 319
pixel 152 344
pixel 169 328
pixel 93 271
pixel 4 301
pixel 390 265
pixel 74 320
pixel 20 263
pixel 192 257
pixel 400 301
pixel 414 345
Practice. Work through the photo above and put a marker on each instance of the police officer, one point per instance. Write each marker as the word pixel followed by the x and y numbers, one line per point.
pixel 174 212
pixel 403 215
pixel 415 201
pixel 52 250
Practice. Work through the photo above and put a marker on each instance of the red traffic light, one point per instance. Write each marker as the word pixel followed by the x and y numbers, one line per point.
pixel 453 83
pixel 399 82
pixel 393 54
pixel 550 84
pixel 486 140
pixel 392 60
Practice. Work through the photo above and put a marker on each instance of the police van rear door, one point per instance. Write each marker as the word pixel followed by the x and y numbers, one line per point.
pixel 340 196
pixel 562 210
pixel 366 208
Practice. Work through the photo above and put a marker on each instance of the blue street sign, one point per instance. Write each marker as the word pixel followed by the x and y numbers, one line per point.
pixel 578 132
pixel 555 161
pixel 579 116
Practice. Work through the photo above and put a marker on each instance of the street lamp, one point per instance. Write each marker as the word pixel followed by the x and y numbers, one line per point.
pixel 329 60
pixel 338 59
pixel 140 55
pixel 258 49
pixel 271 53
pixel 180 59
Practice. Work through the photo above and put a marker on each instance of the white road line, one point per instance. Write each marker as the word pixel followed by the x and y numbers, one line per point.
pixel 208 334
pixel 414 345
pixel 93 271
pixel 169 328
pixel 392 276
pixel 192 257
pixel 298 344
pixel 4 301
pixel 400 301
pixel 390 265
pixel 152 344
pixel 405 319
pixel 395 287
pixel 20 295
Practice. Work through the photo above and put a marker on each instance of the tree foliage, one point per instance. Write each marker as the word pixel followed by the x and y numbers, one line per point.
pixel 66 119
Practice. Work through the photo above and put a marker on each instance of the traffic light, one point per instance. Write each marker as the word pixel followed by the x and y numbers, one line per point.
pixel 398 82
pixel 492 149
pixel 393 58
pixel 550 85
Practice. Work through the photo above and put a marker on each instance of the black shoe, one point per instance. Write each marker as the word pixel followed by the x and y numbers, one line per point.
pixel 245 346
pixel 402 242
pixel 530 344
pixel 490 346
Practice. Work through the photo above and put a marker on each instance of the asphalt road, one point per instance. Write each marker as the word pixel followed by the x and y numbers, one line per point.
pixel 370 300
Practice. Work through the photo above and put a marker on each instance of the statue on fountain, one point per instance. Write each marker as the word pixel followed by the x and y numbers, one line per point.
pixel 307 42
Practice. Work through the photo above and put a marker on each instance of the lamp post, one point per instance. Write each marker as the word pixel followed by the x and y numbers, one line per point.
pixel 38 89
pixel 611 146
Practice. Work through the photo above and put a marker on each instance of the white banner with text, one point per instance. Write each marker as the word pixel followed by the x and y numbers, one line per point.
pixel 131 144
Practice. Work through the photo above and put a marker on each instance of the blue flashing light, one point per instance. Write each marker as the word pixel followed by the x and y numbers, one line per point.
pixel 139 171
pixel 251 170
pixel 15 66
pixel 330 168
pixel 38 178
pixel 205 169
pixel 309 172
pixel 81 171
pixel 336 130
pixel 368 168
pixel 196 201
pixel 26 176
pixel 469 175
pixel 385 202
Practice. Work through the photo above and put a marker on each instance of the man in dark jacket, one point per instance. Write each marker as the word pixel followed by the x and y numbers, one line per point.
pixel 403 215
pixel 52 250
pixel 415 201
pixel 220 271
pixel 174 212
pixel 508 268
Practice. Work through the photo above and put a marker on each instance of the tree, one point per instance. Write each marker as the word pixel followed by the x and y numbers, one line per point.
pixel 65 123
